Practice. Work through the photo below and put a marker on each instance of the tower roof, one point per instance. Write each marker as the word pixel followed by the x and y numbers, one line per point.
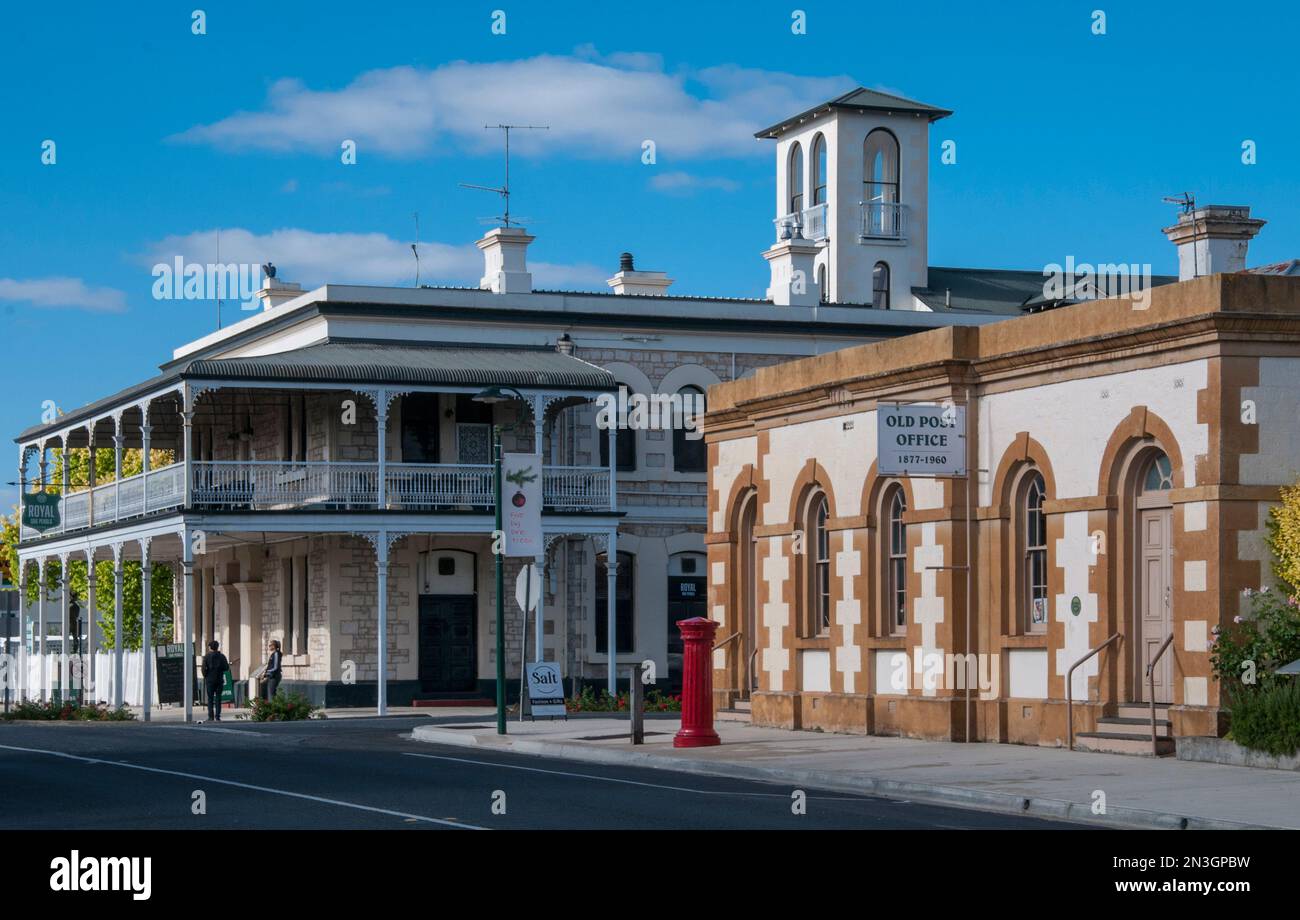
pixel 858 100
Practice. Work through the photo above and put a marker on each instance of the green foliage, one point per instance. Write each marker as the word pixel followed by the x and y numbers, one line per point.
pixel 588 700
pixel 283 707
pixel 28 710
pixel 1283 538
pixel 1257 643
pixel 1268 720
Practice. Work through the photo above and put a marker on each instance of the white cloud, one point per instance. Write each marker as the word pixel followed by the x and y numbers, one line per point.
pixel 595 106
pixel 62 292
pixel 682 183
pixel 311 258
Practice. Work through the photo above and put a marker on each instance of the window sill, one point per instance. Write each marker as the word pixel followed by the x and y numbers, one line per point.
pixel 820 642
pixel 1026 640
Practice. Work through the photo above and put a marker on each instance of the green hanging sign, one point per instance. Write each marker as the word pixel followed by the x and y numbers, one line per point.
pixel 40 510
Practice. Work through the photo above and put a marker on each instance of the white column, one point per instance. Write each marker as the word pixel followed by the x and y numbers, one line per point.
pixel 611 581
pixel 65 662
pixel 88 683
pixel 613 465
pixel 146 627
pixel 187 564
pixel 119 672
pixel 40 627
pixel 381 600
pixel 66 487
pixel 90 474
pixel 24 690
pixel 381 422
pixel 187 424
pixel 145 431
pixel 117 467
pixel 540 618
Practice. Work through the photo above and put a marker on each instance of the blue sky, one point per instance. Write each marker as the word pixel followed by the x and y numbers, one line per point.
pixel 1066 143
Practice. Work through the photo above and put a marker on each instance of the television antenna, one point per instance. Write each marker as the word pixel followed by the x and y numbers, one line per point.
pixel 504 190
pixel 415 247
pixel 1187 204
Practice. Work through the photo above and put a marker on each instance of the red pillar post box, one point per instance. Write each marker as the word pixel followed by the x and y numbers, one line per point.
pixel 697 684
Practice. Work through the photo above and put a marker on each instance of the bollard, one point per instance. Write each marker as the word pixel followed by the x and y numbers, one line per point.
pixel 697 684
pixel 635 705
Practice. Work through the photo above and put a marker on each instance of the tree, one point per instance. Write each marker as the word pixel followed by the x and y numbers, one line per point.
pixel 1284 538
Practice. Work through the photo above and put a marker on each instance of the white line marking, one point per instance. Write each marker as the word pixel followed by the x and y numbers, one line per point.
pixel 631 782
pixel 229 782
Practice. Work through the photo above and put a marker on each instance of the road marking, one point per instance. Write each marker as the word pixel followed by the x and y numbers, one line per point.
pixel 229 782
pixel 632 782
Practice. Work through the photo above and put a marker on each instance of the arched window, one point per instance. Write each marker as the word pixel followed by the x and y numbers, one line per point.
pixel 823 287
pixel 818 551
pixel 1159 474
pixel 819 170
pixel 880 286
pixel 748 586
pixel 626 443
pixel 880 167
pixel 896 562
pixel 689 452
pixel 1033 541
pixel 624 605
pixel 880 185
pixel 795 179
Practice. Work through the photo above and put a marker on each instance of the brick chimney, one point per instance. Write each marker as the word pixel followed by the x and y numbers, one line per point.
pixel 630 281
pixel 505 262
pixel 1212 239
pixel 273 291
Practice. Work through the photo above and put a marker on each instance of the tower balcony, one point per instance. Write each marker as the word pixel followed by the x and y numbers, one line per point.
pixel 809 223
pixel 882 220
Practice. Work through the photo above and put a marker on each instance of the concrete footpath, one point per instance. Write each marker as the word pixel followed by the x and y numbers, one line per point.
pixel 1138 792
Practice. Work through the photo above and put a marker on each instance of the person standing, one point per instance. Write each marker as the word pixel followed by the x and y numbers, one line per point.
pixel 273 669
pixel 215 667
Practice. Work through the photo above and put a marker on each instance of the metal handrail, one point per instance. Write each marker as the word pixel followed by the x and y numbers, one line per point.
pixel 1069 685
pixel 726 640
pixel 749 675
pixel 1151 692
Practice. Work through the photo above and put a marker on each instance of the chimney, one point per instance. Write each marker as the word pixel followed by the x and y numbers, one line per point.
pixel 794 280
pixel 273 291
pixel 630 281
pixel 1212 239
pixel 505 263
pixel 564 344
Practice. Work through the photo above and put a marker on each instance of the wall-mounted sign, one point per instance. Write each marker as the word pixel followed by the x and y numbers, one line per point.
pixel 521 504
pixel 920 439
pixel 40 510
pixel 1076 605
pixel 545 689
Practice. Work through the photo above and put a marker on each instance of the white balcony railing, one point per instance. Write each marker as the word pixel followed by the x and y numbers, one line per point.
pixel 810 223
pixel 242 485
pixel 882 220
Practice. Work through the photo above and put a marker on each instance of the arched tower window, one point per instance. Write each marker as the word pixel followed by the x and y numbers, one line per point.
pixel 818 554
pixel 795 180
pixel 880 286
pixel 880 186
pixel 819 163
pixel 1032 531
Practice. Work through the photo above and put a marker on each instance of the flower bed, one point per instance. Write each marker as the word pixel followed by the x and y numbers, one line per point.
pixel 655 701
pixel 30 711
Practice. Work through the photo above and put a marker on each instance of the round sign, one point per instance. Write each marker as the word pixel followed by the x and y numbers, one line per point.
pixel 521 586
pixel 1075 605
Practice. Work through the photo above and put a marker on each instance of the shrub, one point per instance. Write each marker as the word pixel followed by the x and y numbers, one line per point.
pixel 588 700
pixel 283 707
pixel 32 711
pixel 1258 642
pixel 1268 719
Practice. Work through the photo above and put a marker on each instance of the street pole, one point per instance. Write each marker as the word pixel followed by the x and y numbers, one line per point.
pixel 498 538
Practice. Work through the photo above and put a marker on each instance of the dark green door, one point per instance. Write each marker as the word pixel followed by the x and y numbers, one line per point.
pixel 447 643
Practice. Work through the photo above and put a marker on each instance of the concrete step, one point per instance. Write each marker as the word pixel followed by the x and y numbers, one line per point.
pixel 733 715
pixel 1119 725
pixel 742 705
pixel 1143 711
pixel 1116 743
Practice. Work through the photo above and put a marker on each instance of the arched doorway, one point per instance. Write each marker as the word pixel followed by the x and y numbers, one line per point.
pixel 746 594
pixel 1153 546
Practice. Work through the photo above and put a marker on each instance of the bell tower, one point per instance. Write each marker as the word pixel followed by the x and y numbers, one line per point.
pixel 852 178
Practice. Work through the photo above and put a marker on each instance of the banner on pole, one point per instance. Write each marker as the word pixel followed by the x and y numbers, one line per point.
pixel 40 510
pixel 521 504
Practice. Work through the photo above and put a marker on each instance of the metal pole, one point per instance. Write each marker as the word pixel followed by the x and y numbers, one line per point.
pixel 119 671
pixel 381 562
pixel 146 631
pixel 523 640
pixel 634 706
pixel 498 537
pixel 187 564
pixel 611 633
pixel 42 629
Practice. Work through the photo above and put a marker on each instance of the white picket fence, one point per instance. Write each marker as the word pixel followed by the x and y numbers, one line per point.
pixel 102 677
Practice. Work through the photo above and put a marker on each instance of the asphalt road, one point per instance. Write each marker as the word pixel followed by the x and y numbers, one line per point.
pixel 362 773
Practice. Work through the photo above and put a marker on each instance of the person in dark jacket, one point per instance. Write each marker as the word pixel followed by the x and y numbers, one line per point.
pixel 215 667
pixel 273 669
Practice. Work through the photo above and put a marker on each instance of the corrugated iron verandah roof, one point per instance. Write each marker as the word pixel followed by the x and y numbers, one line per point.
pixel 347 362
pixel 357 361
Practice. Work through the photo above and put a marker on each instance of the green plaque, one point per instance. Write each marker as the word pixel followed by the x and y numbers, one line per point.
pixel 40 510
pixel 228 688
pixel 1075 605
